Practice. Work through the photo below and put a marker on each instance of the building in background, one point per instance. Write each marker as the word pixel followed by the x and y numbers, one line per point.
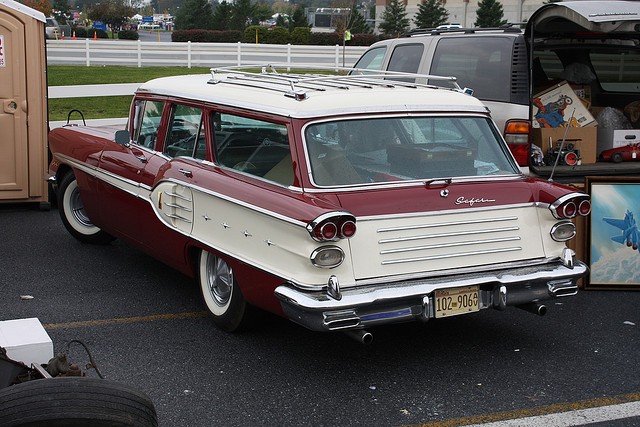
pixel 463 12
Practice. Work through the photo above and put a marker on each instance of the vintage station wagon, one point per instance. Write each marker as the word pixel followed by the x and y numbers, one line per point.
pixel 340 202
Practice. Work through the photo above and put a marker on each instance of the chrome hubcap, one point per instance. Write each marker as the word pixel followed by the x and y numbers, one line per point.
pixel 219 280
pixel 77 208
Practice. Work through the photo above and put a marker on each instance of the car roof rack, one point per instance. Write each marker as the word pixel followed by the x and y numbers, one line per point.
pixel 507 28
pixel 298 86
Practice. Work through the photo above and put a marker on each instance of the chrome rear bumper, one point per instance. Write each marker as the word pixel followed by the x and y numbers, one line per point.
pixel 359 307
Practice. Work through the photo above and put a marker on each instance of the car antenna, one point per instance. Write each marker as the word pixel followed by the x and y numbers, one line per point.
pixel 564 138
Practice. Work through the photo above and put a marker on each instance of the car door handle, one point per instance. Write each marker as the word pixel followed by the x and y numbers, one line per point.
pixel 142 158
pixel 185 172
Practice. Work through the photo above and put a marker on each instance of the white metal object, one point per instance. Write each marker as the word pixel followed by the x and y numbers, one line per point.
pixel 26 341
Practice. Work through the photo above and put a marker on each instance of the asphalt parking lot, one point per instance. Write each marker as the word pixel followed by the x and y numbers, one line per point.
pixel 145 326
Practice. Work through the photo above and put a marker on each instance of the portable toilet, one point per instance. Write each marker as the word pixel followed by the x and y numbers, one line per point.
pixel 23 105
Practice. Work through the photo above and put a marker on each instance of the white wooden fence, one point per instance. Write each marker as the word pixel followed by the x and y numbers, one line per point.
pixel 138 53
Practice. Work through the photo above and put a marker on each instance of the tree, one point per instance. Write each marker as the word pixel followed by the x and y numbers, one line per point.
pixel 61 11
pixel 112 12
pixel 194 15
pixel 241 15
pixel 489 14
pixel 357 23
pixel 394 19
pixel 221 16
pixel 431 13
pixel 41 5
pixel 298 19
pixel 261 12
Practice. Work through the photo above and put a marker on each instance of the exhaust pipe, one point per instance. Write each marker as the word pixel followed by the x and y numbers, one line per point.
pixel 535 308
pixel 360 335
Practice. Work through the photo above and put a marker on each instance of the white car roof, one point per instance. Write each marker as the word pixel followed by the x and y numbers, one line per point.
pixel 313 95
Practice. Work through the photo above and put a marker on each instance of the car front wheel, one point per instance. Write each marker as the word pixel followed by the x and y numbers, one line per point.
pixel 73 215
pixel 221 293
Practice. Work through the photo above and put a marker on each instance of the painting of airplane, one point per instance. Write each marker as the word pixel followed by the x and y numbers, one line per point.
pixel 630 233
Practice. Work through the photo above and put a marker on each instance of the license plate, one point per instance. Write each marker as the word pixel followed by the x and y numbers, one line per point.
pixel 450 302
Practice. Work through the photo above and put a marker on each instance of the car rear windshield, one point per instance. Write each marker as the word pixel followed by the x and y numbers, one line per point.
pixel 374 150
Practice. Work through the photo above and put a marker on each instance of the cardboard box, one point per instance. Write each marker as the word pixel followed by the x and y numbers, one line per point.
pixel 559 105
pixel 583 138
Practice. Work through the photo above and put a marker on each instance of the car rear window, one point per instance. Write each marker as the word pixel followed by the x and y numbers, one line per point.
pixel 362 151
pixel 480 63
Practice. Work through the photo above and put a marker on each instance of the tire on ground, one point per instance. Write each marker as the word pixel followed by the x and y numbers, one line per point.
pixel 75 401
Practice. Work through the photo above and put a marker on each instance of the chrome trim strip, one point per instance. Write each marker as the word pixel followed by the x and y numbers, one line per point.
pixel 461 254
pixel 188 221
pixel 445 224
pixel 184 208
pixel 96 172
pixel 179 196
pixel 452 234
pixel 448 245
pixel 446 212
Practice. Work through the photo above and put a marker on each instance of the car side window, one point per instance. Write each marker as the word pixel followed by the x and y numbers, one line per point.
pixel 372 59
pixel 186 133
pixel 482 64
pixel 148 116
pixel 406 58
pixel 253 146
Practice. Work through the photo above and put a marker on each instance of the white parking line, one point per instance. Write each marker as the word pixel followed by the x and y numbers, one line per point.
pixel 573 418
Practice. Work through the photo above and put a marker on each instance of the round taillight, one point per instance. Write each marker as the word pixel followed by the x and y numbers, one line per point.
pixel 569 210
pixel 328 231
pixel 584 208
pixel 348 229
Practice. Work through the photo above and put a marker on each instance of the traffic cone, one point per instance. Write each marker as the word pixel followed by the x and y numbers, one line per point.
pixel 95 35
pixel 74 35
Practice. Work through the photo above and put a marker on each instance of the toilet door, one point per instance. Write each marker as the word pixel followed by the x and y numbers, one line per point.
pixel 14 162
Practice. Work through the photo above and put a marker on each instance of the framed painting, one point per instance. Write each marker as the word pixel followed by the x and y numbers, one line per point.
pixel 613 237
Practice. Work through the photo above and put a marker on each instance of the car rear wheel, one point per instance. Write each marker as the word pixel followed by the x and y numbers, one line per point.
pixel 617 157
pixel 221 293
pixel 73 215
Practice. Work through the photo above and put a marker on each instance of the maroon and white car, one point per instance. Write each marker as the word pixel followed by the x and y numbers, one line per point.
pixel 340 202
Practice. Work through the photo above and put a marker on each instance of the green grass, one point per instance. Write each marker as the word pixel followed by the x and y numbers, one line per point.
pixel 62 75
pixel 107 106
pixel 104 106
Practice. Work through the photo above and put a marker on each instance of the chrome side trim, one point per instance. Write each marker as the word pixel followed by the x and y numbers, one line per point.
pixel 459 254
pixel 178 217
pixel 446 224
pixel 175 206
pixel 179 196
pixel 452 234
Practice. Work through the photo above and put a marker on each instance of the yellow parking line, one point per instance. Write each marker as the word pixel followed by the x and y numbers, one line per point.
pixel 536 411
pixel 125 320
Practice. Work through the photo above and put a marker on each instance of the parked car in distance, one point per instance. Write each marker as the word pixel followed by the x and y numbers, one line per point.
pixel 621 154
pixel 52 29
pixel 591 44
pixel 326 199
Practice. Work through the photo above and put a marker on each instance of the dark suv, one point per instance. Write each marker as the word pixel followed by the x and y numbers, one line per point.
pixel 506 67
